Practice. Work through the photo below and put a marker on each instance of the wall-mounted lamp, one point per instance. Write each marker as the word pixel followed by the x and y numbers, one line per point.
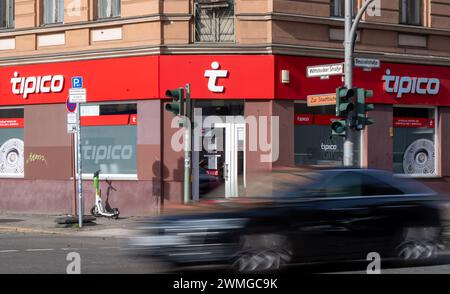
pixel 285 76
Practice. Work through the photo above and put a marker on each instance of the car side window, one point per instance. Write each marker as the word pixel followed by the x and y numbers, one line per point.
pixel 344 184
pixel 372 186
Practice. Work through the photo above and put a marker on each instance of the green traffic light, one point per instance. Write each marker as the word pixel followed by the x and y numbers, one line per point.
pixel 344 101
pixel 177 105
pixel 362 107
pixel 338 128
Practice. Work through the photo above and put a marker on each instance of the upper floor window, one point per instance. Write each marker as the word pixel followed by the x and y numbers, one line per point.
pixel 6 14
pixel 337 8
pixel 53 11
pixel 214 20
pixel 108 8
pixel 410 12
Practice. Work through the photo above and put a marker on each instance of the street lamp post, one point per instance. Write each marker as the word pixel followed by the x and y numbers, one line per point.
pixel 349 41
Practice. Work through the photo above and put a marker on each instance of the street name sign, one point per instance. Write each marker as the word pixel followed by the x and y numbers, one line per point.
pixel 367 62
pixel 325 70
pixel 321 99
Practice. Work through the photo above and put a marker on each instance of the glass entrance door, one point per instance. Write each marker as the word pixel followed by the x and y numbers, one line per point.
pixel 221 172
pixel 234 158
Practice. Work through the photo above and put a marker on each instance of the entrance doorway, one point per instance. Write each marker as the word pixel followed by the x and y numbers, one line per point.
pixel 233 168
pixel 219 166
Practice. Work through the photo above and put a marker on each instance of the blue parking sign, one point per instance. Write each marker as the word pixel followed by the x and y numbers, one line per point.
pixel 77 82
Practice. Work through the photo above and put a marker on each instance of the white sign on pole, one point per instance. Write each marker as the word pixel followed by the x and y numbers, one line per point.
pixel 325 70
pixel 90 110
pixel 71 118
pixel 72 128
pixel 367 62
pixel 77 95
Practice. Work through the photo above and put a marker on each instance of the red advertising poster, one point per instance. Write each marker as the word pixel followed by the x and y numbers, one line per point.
pixel 324 119
pixel 303 119
pixel 413 122
pixel 6 123
pixel 109 120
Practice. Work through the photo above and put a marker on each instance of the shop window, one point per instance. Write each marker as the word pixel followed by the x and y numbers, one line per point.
pixel 313 143
pixel 410 12
pixel 6 14
pixel 53 11
pixel 337 8
pixel 109 139
pixel 11 142
pixel 108 8
pixel 414 141
pixel 214 20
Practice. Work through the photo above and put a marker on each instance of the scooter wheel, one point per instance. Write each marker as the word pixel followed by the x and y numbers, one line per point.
pixel 116 213
pixel 94 211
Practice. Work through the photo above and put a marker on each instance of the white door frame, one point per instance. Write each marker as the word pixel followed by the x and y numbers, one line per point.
pixel 230 172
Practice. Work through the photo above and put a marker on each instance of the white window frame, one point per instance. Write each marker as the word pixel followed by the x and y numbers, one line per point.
pixel 406 13
pixel 58 11
pixel 113 2
pixel 9 15
pixel 437 173
pixel 115 177
pixel 10 175
pixel 332 15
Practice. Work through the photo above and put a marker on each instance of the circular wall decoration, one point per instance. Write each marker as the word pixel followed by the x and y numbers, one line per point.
pixel 11 157
pixel 419 157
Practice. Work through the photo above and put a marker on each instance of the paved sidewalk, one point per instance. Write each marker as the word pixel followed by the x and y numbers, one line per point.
pixel 45 224
pixel 104 227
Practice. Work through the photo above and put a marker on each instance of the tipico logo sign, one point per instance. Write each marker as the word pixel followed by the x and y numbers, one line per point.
pixel 34 85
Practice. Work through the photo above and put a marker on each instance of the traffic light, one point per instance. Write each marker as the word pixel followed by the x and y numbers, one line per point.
pixel 177 104
pixel 338 127
pixel 344 101
pixel 361 120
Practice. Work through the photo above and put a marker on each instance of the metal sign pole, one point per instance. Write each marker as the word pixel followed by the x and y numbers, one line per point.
pixel 350 37
pixel 74 175
pixel 187 147
pixel 80 186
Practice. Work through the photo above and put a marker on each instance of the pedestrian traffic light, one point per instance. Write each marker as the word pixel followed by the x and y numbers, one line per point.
pixel 177 104
pixel 344 101
pixel 361 120
pixel 338 127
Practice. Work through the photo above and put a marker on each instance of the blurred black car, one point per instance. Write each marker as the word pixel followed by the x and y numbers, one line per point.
pixel 341 214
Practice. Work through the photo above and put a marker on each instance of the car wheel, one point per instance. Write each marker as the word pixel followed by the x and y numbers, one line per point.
pixel 419 243
pixel 261 253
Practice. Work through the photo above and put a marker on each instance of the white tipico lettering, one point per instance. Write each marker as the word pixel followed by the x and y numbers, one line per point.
pixel 44 81
pixel 99 153
pixel 34 85
pixel 410 85
pixel 213 74
pixel 15 82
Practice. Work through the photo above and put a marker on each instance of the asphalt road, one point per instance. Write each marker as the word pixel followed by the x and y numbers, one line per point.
pixel 47 254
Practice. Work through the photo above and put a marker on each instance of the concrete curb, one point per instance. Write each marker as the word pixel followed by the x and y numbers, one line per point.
pixel 30 230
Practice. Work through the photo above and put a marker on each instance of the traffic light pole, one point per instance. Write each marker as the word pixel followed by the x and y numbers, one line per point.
pixel 187 147
pixel 350 35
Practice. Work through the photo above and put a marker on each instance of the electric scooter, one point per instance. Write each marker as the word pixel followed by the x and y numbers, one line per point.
pixel 100 209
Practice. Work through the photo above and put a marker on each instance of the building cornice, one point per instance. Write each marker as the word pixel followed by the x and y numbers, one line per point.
pixel 337 22
pixel 223 49
pixel 95 24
